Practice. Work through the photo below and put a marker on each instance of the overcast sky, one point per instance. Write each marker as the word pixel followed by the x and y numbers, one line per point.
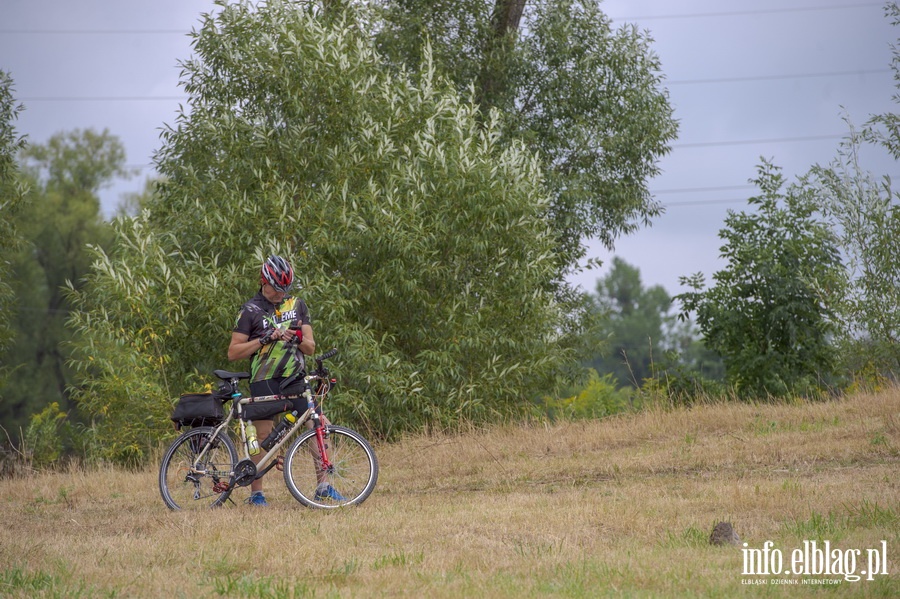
pixel 747 79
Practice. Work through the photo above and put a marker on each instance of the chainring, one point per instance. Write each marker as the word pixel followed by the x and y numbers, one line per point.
pixel 244 473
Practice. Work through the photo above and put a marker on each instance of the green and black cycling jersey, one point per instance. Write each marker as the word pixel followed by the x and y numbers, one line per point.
pixel 256 318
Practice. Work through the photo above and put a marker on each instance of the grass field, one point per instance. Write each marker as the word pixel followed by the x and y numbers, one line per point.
pixel 619 507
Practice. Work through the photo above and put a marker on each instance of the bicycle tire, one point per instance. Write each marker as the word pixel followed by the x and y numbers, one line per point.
pixel 354 471
pixel 182 491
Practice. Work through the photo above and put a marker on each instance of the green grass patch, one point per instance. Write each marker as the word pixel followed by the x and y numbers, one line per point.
pixel 262 587
pixel 836 524
pixel 816 527
pixel 689 537
pixel 868 514
pixel 398 559
pixel 18 582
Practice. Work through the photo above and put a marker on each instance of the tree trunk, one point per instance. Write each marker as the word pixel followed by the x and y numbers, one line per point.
pixel 504 23
pixel 507 14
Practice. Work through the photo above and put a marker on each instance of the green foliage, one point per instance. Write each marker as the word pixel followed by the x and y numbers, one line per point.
pixel 61 217
pixel 417 234
pixel 149 334
pixel 635 319
pixel 676 382
pixel 12 194
pixel 599 398
pixel 78 162
pixel 586 99
pixel 884 129
pixel 52 436
pixel 643 337
pixel 766 315
pixel 862 212
pixel 43 439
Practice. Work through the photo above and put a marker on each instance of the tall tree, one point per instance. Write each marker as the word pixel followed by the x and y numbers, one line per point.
pixel 638 322
pixel 766 315
pixel 62 216
pixel 12 194
pixel 884 129
pixel 586 99
pixel 418 238
pixel 863 212
pixel 643 335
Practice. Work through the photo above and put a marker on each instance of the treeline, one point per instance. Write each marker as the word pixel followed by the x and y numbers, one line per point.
pixel 433 192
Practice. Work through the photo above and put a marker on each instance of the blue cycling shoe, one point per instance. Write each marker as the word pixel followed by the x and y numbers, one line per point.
pixel 326 491
pixel 257 498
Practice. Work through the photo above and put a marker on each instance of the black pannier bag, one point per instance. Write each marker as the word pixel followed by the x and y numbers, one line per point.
pixel 198 409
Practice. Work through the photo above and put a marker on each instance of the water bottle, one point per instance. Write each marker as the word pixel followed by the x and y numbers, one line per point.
pixel 252 441
pixel 289 419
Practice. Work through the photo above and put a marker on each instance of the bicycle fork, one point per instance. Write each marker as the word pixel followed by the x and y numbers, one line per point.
pixel 325 466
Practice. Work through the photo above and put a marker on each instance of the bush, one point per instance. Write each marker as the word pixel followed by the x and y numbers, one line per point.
pixel 52 438
pixel 599 398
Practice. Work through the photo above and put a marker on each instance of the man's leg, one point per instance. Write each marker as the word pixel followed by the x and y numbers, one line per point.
pixel 263 428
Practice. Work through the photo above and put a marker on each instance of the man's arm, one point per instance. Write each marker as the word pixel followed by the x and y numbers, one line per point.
pixel 242 346
pixel 308 343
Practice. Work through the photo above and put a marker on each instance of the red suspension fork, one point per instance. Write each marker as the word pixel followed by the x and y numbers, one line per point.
pixel 320 444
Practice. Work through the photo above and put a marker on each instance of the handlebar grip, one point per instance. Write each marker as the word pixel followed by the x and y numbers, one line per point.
pixel 329 354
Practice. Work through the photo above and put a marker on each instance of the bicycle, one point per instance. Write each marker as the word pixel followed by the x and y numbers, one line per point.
pixel 201 468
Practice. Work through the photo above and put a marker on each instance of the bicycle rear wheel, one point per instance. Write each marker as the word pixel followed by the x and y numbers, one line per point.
pixel 350 478
pixel 184 488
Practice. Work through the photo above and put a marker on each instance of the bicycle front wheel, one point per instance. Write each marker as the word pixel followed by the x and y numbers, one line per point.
pixel 188 485
pixel 348 478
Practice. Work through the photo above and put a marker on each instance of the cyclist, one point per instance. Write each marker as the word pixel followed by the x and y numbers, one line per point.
pixel 264 326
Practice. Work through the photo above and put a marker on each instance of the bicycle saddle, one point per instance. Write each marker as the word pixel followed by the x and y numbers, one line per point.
pixel 226 375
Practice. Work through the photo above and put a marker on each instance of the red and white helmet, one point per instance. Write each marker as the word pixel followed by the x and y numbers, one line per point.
pixel 277 272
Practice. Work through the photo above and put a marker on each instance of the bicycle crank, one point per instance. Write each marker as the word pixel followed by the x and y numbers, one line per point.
pixel 244 473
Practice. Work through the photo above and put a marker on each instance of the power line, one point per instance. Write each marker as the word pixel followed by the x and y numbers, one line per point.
pixel 100 98
pixel 675 82
pixel 652 191
pixel 739 142
pixel 704 202
pixel 774 77
pixel 701 189
pixel 743 13
pixel 704 189
pixel 93 31
pixel 709 144
pixel 740 13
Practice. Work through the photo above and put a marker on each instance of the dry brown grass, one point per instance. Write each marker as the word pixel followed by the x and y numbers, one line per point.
pixel 618 507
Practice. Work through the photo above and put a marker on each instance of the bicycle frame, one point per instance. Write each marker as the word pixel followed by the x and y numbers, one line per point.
pixel 270 459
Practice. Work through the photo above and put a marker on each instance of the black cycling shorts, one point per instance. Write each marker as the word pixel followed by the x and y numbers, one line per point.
pixel 273 387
